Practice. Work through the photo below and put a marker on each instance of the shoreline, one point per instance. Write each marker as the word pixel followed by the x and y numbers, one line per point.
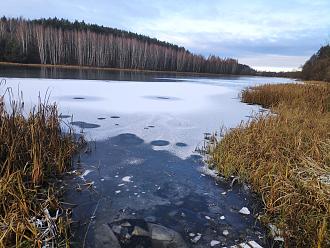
pixel 81 67
pixel 298 142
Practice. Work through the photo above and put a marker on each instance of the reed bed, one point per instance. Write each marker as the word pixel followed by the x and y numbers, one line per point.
pixel 34 151
pixel 285 157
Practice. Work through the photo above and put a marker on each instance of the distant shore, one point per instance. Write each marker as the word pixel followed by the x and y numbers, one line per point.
pixel 78 67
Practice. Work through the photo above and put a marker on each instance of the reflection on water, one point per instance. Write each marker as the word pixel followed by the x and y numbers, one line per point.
pixel 70 73
pixel 11 71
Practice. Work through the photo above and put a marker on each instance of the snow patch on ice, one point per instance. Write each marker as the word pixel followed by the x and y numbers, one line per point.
pixel 127 179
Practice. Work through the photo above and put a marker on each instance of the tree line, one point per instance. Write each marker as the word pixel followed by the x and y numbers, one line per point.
pixel 318 66
pixel 61 42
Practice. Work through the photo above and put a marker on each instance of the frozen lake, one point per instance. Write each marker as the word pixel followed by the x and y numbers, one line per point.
pixel 143 166
pixel 178 110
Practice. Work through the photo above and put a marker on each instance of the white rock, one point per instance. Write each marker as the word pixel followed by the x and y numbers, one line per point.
pixel 117 191
pixel 127 179
pixel 244 245
pixel 191 234
pixel 254 244
pixel 245 211
pixel 207 217
pixel 122 184
pixel 214 242
pixel 196 238
pixel 225 232
pixel 222 217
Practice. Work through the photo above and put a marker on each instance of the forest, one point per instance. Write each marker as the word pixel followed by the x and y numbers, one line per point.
pixel 318 66
pixel 61 42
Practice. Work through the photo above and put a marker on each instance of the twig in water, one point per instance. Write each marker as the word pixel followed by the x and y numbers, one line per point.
pixel 90 221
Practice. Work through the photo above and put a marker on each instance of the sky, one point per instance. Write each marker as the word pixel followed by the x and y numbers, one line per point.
pixel 278 35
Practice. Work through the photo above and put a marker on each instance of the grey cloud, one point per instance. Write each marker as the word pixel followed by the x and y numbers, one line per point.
pixel 294 28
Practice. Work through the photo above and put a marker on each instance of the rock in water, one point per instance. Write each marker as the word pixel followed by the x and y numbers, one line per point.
pixel 104 237
pixel 163 237
pixel 245 211
pixel 214 243
pixel 196 238
pixel 116 229
pixel 138 231
pixel 132 233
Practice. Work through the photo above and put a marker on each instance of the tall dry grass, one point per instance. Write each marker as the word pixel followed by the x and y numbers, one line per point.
pixel 33 151
pixel 285 157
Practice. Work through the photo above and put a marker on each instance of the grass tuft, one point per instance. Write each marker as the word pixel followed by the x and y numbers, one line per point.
pixel 33 152
pixel 285 157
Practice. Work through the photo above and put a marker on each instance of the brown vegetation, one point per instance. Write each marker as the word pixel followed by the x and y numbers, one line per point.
pixel 285 157
pixel 33 151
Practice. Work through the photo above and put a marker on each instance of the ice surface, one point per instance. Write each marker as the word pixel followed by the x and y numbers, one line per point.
pixel 171 112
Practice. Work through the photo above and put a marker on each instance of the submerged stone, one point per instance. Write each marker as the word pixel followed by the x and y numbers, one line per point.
pixel 165 237
pixel 196 238
pixel 138 231
pixel 104 237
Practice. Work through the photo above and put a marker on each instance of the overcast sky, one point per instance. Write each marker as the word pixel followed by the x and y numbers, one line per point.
pixel 271 35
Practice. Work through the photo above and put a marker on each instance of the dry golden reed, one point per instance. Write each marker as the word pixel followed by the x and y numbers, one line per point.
pixel 285 157
pixel 33 151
